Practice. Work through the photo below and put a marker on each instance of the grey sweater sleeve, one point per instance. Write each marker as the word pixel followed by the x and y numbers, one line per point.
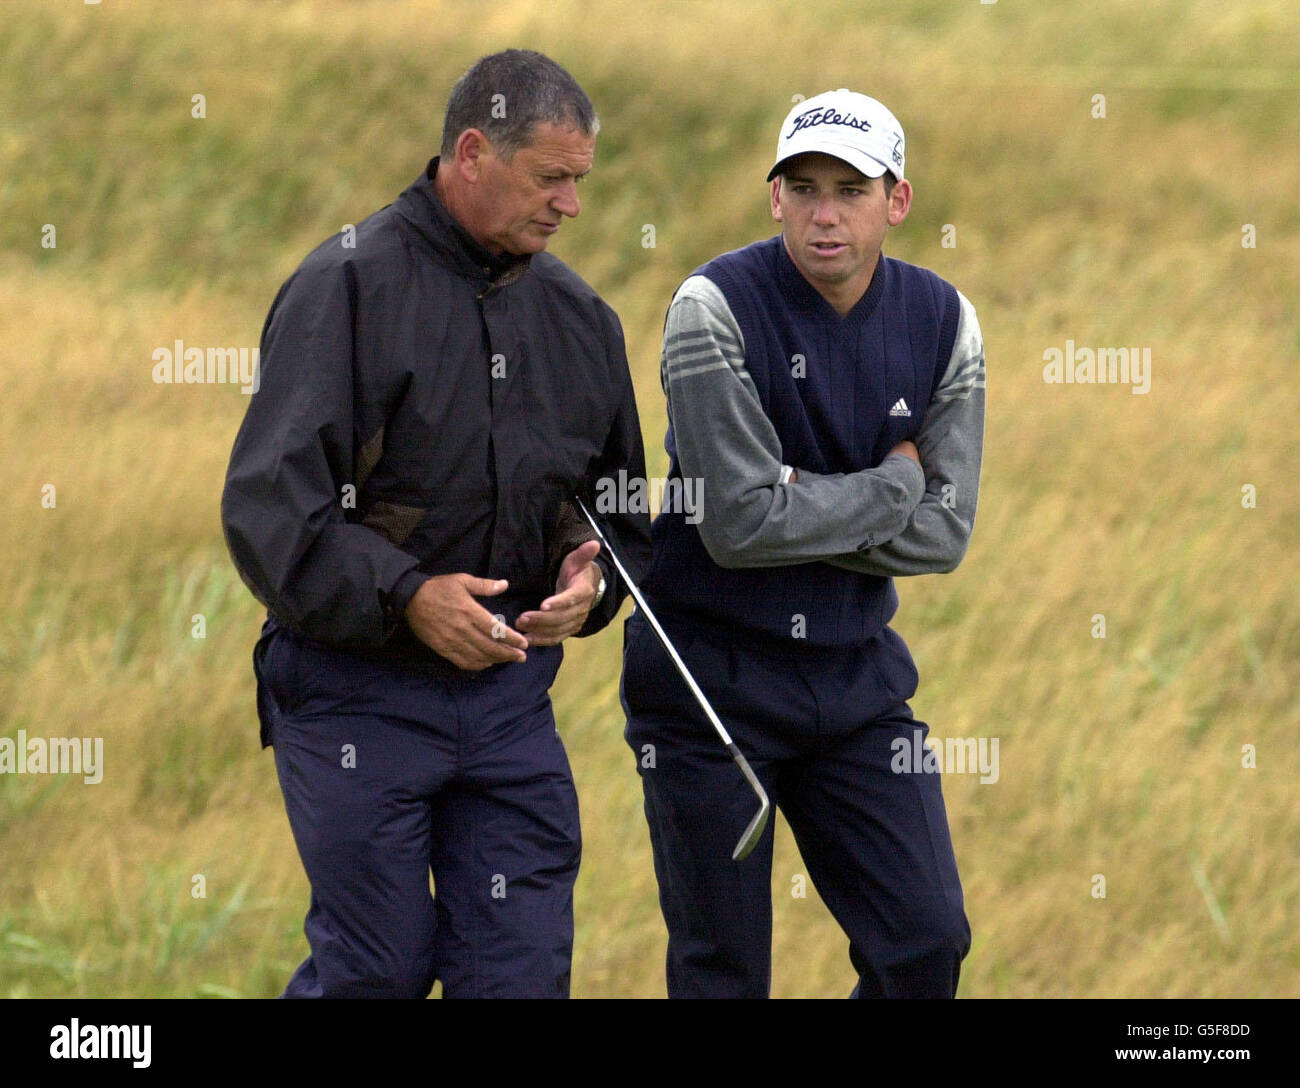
pixel 950 442
pixel 747 515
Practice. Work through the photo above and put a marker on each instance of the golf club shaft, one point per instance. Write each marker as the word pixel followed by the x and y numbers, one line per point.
pixel 663 638
pixel 754 832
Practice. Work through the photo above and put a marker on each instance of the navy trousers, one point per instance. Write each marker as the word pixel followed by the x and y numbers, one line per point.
pixel 817 727
pixel 389 776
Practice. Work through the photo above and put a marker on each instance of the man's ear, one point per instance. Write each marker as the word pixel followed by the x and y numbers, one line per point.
pixel 776 198
pixel 900 202
pixel 471 147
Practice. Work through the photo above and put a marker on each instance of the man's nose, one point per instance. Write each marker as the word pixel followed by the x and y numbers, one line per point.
pixel 566 202
pixel 825 212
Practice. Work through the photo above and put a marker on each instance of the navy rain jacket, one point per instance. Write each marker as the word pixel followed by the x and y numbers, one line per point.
pixel 422 410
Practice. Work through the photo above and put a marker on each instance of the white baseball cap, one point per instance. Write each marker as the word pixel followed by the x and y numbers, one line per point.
pixel 848 125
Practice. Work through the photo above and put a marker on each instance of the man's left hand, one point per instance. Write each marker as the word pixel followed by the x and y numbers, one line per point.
pixel 564 614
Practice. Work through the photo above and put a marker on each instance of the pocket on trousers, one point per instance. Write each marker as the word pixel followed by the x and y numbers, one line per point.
pixel 273 664
pixel 267 710
pixel 630 686
pixel 895 666
pixel 554 657
pixel 651 682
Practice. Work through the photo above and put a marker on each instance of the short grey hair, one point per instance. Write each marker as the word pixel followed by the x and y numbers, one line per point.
pixel 505 95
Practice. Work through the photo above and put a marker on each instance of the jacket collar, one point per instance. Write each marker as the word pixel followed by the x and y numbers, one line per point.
pixel 419 205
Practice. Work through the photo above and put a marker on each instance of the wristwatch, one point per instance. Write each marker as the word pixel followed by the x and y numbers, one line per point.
pixel 600 592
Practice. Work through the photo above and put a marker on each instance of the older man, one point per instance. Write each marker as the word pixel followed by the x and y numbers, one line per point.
pixel 832 400
pixel 434 390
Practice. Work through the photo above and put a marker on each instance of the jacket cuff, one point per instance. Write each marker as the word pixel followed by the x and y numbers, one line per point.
pixel 400 595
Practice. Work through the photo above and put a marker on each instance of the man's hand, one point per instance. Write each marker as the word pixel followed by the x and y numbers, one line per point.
pixel 445 616
pixel 565 613
pixel 906 447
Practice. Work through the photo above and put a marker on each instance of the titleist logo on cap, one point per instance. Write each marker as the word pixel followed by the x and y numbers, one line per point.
pixel 824 115
pixel 845 125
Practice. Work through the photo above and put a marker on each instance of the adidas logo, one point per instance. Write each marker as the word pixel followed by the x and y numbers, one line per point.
pixel 900 408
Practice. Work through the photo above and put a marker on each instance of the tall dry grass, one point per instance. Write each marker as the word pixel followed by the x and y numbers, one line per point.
pixel 1120 756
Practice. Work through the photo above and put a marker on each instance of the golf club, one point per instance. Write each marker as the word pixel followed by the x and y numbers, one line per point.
pixel 755 829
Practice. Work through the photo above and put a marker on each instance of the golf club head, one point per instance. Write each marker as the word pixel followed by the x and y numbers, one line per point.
pixel 758 824
pixel 753 832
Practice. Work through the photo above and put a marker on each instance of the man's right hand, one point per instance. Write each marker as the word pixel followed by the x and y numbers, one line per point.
pixel 445 616
pixel 908 449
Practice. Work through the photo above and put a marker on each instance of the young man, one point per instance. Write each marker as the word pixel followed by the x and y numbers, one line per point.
pixel 831 401
pixel 435 388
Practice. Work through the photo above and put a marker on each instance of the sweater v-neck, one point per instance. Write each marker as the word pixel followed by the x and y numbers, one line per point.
pixel 813 302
